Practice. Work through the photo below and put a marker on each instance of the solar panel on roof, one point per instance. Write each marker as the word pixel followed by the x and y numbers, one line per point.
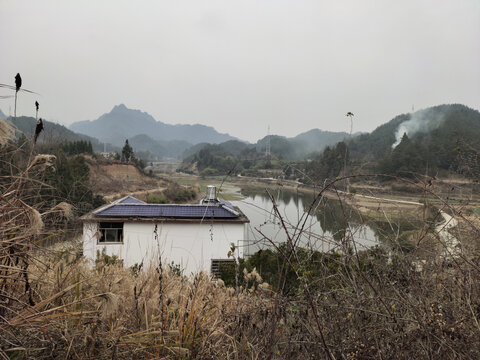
pixel 169 211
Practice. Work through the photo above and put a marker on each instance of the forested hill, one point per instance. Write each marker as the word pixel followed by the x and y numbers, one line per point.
pixel 53 133
pixel 316 140
pixel 296 148
pixel 281 147
pixel 436 125
pixel 431 138
pixel 240 156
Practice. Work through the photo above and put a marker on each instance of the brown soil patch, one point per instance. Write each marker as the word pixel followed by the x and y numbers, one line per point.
pixel 113 179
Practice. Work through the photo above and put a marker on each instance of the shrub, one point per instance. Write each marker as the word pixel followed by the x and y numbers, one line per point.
pixel 156 198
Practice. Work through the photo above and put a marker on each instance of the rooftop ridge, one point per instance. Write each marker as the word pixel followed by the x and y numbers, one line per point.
pixel 207 211
pixel 224 205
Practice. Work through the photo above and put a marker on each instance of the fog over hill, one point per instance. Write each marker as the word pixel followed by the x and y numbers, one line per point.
pixel 155 139
pixel 294 148
pixel 2 115
pixel 123 123
pixel 310 141
pixel 150 149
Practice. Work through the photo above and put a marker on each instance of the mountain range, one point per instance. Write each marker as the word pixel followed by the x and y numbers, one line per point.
pixel 123 123
pixel 154 139
pixel 437 129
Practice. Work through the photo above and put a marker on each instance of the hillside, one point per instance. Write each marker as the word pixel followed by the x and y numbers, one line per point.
pixel 150 149
pixel 109 178
pixel 316 140
pixel 52 133
pixel 440 140
pixel 444 138
pixel 281 147
pixel 296 148
pixel 439 126
pixel 122 123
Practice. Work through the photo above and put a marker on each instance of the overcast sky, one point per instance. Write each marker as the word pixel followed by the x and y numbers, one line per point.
pixel 242 65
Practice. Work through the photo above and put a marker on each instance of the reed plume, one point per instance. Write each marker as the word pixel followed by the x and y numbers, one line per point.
pixel 18 85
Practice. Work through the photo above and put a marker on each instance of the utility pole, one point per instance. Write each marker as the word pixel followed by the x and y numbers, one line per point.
pixel 347 180
pixel 267 149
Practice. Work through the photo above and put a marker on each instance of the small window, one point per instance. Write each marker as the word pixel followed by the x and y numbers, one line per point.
pixel 111 232
pixel 221 267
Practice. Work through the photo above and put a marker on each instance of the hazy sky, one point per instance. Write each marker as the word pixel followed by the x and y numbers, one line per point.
pixel 242 65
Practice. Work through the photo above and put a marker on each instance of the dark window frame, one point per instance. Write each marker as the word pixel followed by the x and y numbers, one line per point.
pixel 113 231
pixel 215 265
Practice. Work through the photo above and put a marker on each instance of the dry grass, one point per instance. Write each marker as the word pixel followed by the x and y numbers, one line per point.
pixel 109 312
pixel 7 132
pixel 364 305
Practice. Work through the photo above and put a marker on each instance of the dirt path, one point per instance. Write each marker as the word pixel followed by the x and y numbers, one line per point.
pixel 450 242
pixel 112 197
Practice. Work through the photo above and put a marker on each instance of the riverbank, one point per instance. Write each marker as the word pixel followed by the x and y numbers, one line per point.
pixel 370 206
pixel 394 208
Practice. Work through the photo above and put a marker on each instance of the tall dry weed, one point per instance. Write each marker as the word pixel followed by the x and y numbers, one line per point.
pixel 7 133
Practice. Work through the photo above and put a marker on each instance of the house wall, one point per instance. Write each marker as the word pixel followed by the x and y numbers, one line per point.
pixel 190 245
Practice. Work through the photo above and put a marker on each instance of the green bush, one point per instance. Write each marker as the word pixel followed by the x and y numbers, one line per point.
pixel 208 172
pixel 156 199
pixel 179 194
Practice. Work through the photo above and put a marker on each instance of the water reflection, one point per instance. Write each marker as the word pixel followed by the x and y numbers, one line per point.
pixel 326 227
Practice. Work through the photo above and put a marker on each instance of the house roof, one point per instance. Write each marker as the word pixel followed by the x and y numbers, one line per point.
pixel 171 211
pixel 130 200
pixel 134 210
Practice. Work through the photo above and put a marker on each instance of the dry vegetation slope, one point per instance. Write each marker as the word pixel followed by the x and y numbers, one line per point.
pixel 111 178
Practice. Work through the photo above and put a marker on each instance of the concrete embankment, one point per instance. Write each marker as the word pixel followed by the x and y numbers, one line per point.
pixel 452 245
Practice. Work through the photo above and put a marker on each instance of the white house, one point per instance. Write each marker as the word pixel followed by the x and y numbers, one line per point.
pixel 195 236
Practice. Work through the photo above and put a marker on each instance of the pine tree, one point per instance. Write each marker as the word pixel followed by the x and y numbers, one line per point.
pixel 127 152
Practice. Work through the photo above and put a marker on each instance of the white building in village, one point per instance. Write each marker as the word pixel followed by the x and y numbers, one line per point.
pixel 196 236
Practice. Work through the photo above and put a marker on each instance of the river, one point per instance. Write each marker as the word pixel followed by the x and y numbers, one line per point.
pixel 324 228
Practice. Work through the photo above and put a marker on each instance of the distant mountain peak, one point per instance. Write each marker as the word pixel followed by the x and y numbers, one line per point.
pixel 122 123
pixel 119 107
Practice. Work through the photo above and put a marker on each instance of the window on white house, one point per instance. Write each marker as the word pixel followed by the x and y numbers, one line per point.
pixel 221 267
pixel 111 232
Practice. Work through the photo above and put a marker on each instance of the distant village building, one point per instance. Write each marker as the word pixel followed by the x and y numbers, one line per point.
pixel 108 155
pixel 197 237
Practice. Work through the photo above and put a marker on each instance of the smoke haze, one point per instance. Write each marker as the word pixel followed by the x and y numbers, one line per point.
pixel 422 121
